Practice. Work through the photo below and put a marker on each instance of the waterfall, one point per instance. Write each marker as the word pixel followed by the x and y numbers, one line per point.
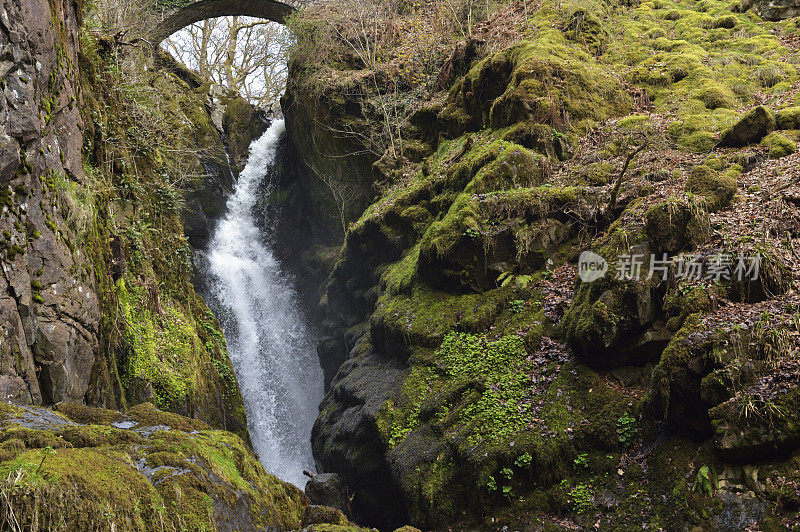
pixel 270 344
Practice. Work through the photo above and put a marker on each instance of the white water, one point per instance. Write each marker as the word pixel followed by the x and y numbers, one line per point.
pixel 271 346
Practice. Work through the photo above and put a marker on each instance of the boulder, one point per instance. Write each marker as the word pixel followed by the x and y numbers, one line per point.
pixel 753 126
pixel 328 490
pixel 778 9
pixel 716 189
pixel 788 118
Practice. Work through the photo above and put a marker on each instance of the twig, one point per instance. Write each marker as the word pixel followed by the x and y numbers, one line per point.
pixel 612 203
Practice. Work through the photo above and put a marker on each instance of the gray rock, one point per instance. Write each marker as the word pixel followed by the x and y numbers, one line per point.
pixel 778 9
pixel 9 158
pixel 328 489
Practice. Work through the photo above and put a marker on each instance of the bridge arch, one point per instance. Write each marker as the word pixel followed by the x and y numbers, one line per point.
pixel 176 18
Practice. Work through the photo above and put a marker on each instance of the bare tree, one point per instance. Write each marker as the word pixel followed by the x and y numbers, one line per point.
pixel 244 54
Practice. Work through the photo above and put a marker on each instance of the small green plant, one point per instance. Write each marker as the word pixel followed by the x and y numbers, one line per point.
pixel 47 451
pixel 507 472
pixel 507 492
pixel 706 480
pixel 582 498
pixel 472 233
pixel 582 460
pixel 516 306
pixel 523 460
pixel 491 484
pixel 626 429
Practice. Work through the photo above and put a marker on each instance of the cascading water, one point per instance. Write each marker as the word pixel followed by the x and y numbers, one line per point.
pixel 270 344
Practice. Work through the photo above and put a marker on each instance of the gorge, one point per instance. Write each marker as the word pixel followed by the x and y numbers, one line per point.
pixel 388 286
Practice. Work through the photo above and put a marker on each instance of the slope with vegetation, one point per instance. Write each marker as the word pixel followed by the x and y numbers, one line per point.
pixel 470 151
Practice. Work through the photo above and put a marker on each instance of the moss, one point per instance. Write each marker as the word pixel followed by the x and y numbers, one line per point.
pixel 715 95
pixel 727 21
pixel 696 131
pixel 33 438
pixel 750 128
pixel 314 515
pixel 633 121
pixel 788 118
pixel 667 375
pixel 165 352
pixel 424 316
pixel 525 225
pixel 666 69
pixel 102 482
pixel 671 226
pixel 88 414
pixel 778 145
pixel 98 436
pixel 510 87
pixel 514 167
pixel 716 189
pixel 148 415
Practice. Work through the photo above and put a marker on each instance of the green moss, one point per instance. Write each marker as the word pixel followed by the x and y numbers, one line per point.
pixel 716 189
pixel 633 121
pixel 514 167
pixel 788 118
pixel 715 95
pixel 542 80
pixel 424 316
pixel 750 128
pixel 673 225
pixel 779 146
pixel 164 352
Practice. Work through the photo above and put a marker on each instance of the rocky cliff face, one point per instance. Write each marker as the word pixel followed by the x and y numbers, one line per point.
pixel 97 301
pixel 478 379
pixel 50 310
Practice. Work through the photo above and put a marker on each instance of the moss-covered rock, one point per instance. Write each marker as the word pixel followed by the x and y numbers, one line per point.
pixel 788 118
pixel 316 515
pixel 750 128
pixel 136 473
pixel 672 226
pixel 778 145
pixel 715 189
pixel 542 81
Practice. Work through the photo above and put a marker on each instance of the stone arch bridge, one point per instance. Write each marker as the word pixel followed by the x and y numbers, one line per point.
pixel 173 15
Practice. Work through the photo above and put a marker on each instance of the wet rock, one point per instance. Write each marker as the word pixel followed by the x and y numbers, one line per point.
pixel 143 459
pixel 328 489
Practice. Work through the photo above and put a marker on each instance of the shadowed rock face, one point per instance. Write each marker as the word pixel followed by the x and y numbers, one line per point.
pixel 49 315
pixel 174 19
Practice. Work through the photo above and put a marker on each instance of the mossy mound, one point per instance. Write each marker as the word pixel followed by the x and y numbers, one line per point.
pixel 672 226
pixel 132 474
pixel 778 145
pixel 480 235
pixel 714 188
pixel 788 118
pixel 544 81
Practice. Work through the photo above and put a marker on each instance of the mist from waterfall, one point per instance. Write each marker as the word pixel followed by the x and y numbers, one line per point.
pixel 271 345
